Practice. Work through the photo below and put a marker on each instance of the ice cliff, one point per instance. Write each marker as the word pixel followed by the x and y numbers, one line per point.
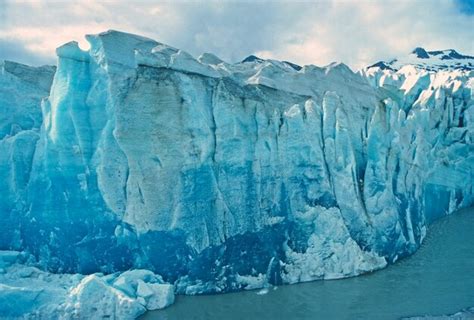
pixel 221 177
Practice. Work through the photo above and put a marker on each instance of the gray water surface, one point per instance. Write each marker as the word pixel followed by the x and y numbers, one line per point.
pixel 438 279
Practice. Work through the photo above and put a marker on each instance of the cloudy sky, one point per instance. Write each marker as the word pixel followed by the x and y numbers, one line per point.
pixel 309 32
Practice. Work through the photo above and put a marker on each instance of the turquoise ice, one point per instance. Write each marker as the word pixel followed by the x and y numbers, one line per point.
pixel 222 177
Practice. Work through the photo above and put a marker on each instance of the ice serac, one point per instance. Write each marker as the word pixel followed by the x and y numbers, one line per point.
pixel 21 90
pixel 223 176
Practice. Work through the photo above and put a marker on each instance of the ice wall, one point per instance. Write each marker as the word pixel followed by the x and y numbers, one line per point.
pixel 225 176
pixel 21 90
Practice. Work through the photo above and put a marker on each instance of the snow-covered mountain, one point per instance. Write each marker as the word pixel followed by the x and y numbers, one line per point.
pixel 429 60
pixel 222 177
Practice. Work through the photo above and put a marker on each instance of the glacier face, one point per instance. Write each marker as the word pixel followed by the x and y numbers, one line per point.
pixel 21 90
pixel 223 176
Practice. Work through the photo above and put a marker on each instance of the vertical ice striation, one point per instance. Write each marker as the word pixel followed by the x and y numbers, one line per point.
pixel 21 90
pixel 225 176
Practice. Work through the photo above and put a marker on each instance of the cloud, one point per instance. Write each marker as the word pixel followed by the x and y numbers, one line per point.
pixel 15 51
pixel 355 32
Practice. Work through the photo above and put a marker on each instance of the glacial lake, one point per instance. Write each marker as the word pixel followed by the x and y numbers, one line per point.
pixel 438 279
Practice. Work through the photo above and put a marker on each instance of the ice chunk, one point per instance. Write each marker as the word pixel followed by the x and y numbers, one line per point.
pixel 157 296
pixel 27 292
pixel 93 298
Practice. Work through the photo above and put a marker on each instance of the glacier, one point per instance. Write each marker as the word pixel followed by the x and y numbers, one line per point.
pixel 217 177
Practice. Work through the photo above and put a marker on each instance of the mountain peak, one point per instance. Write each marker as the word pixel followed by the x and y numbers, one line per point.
pixel 253 58
pixel 449 54
pixel 448 59
pixel 420 53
